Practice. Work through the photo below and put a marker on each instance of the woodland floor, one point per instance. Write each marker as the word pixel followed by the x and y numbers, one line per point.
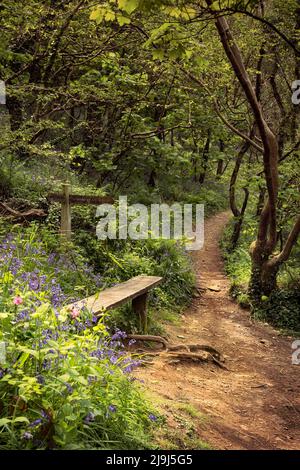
pixel 253 405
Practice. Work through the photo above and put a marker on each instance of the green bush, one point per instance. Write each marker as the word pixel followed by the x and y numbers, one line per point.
pixel 64 381
pixel 282 307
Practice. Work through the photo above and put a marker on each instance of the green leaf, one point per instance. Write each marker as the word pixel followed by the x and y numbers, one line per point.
pixel 158 54
pixel 82 380
pixel 114 259
pixel 40 311
pixel 188 13
pixel 23 359
pixel 123 20
pixel 98 15
pixel 128 5
pixel 21 419
pixel 64 377
pixel 7 277
pixel 110 16
pixel 27 352
pixel 175 12
pixel 4 421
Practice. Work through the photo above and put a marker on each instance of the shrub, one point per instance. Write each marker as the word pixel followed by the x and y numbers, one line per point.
pixel 64 381
pixel 281 308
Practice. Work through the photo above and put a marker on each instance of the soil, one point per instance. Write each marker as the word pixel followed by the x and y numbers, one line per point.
pixel 253 405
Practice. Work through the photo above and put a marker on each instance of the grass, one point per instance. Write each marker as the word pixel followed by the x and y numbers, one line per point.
pixel 191 411
pixel 180 424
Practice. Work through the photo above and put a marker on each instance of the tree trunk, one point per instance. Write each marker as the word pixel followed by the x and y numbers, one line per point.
pixel 205 156
pixel 263 279
pixel 260 202
pixel 220 163
pixel 238 223
pixel 151 181
pixel 266 240
pixel 238 214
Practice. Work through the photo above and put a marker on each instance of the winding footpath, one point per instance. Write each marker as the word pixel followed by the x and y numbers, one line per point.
pixel 256 403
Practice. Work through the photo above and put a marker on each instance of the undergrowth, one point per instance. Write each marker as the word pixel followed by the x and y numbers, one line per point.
pixel 282 307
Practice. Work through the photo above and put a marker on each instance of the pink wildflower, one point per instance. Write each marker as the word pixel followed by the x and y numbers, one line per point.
pixel 75 313
pixel 18 300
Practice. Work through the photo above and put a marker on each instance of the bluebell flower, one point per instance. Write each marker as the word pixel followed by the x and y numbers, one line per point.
pixel 118 335
pixel 40 379
pixel 34 283
pixel 69 388
pixel 152 417
pixel 35 423
pixel 90 417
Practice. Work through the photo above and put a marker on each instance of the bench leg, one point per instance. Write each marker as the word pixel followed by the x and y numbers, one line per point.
pixel 139 306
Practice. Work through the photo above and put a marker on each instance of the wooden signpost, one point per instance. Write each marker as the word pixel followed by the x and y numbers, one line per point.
pixel 66 199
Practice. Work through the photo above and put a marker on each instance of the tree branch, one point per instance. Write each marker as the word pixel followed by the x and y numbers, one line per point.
pixel 217 109
pixel 288 246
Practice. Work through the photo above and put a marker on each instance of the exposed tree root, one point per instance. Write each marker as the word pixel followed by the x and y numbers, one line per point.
pixel 150 338
pixel 31 214
pixel 175 353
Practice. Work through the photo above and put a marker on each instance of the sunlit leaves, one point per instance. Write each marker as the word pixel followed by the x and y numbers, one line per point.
pixel 233 4
pixel 110 15
pixel 98 14
pixel 103 13
pixel 128 5
pixel 184 12
pixel 158 54
pixel 121 19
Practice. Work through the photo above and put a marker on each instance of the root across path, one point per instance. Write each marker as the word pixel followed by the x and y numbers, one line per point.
pixel 253 402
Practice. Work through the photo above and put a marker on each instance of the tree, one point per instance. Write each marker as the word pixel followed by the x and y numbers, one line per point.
pixel 265 260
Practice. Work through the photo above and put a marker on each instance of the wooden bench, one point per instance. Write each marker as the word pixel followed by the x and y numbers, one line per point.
pixel 135 289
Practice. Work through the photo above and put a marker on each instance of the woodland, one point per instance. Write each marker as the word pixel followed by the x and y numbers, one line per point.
pixel 161 101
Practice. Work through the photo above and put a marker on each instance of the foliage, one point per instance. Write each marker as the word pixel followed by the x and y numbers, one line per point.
pixel 65 381
pixel 281 308
pixel 118 261
pixel 133 97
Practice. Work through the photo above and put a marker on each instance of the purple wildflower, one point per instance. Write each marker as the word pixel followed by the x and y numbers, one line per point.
pixel 152 417
pixel 69 388
pixel 44 415
pixel 40 379
pixel 34 283
pixel 35 423
pixel 118 335
pixel 90 417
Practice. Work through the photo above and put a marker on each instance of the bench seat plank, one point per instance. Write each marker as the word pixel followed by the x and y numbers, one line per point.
pixel 119 294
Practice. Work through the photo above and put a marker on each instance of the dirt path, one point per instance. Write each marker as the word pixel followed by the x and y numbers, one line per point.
pixel 254 405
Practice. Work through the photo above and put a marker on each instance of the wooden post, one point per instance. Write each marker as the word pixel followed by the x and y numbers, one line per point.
pixel 139 306
pixel 65 224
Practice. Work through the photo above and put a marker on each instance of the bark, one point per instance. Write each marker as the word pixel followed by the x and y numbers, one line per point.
pixel 267 227
pixel 205 156
pixel 260 202
pixel 267 233
pixel 57 42
pixel 151 181
pixel 238 214
pixel 220 164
